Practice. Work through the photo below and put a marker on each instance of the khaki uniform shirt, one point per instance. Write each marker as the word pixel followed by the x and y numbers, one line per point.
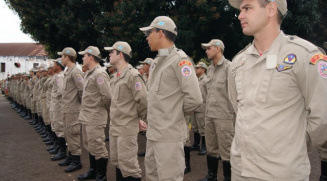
pixel 42 88
pixel 49 86
pixel 278 107
pixel 128 104
pixel 202 83
pixel 145 78
pixel 173 91
pixel 218 105
pixel 56 93
pixel 112 79
pixel 72 90
pixel 96 97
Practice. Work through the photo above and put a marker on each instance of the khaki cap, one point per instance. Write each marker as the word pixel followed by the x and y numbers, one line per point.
pixel 58 60
pixel 92 50
pixel 213 42
pixel 122 47
pixel 162 22
pixel 108 65
pixel 68 51
pixel 201 65
pixel 281 5
pixel 147 61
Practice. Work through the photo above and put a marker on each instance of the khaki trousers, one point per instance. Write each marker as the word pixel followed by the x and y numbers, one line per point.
pixel 164 161
pixel 323 152
pixel 72 131
pixel 219 135
pixel 45 112
pixel 58 123
pixel 198 123
pixel 236 176
pixel 33 106
pixel 123 154
pixel 93 140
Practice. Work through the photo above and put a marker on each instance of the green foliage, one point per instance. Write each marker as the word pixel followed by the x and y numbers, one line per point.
pixel 81 23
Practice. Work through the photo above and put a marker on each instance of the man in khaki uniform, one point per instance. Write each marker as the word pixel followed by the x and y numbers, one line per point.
pixel 41 129
pixel 71 102
pixel 56 113
pixel 94 116
pixel 34 97
pixel 173 92
pixel 127 110
pixel 111 70
pixel 198 120
pixel 323 153
pixel 33 105
pixel 276 85
pixel 146 67
pixel 219 114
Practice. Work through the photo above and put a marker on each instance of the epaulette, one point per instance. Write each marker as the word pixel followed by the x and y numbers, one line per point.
pixel 247 46
pixel 301 42
pixel 133 71
pixel 181 53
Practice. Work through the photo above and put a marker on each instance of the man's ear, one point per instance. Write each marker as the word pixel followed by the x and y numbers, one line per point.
pixel 272 9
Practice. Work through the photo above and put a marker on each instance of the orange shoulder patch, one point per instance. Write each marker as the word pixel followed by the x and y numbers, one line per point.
pixel 185 62
pixel 318 56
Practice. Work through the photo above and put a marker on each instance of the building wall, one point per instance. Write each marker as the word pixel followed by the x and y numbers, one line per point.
pixel 26 64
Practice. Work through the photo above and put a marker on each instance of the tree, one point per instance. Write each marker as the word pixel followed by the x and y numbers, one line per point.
pixel 61 23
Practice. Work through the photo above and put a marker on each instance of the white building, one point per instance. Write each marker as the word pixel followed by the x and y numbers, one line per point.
pixel 20 57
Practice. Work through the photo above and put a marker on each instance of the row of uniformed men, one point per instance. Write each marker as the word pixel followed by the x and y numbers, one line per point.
pixel 245 90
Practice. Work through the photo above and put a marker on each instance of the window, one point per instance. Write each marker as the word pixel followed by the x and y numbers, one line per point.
pixel 3 67
pixel 35 65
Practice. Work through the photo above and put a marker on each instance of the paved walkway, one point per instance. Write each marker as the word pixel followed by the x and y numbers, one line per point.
pixel 23 155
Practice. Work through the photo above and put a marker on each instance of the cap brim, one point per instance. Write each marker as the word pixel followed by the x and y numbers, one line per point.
pixel 59 53
pixel 109 48
pixel 82 52
pixel 205 45
pixel 146 28
pixel 235 3
pixel 142 62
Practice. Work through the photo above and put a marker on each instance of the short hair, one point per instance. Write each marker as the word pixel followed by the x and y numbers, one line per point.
pixel 264 3
pixel 97 59
pixel 170 36
pixel 126 57
pixel 71 58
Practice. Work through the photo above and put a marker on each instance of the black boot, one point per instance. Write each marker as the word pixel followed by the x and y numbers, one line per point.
pixel 227 171
pixel 62 150
pixel 67 161
pixel 323 176
pixel 49 133
pixel 29 115
pixel 75 164
pixel 187 152
pixel 102 169
pixel 196 143
pixel 203 149
pixel 212 164
pixel 92 173
pixel 55 144
pixel 119 175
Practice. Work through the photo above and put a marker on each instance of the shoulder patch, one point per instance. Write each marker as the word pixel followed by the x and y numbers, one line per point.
pixel 303 43
pixel 184 62
pixel 316 57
